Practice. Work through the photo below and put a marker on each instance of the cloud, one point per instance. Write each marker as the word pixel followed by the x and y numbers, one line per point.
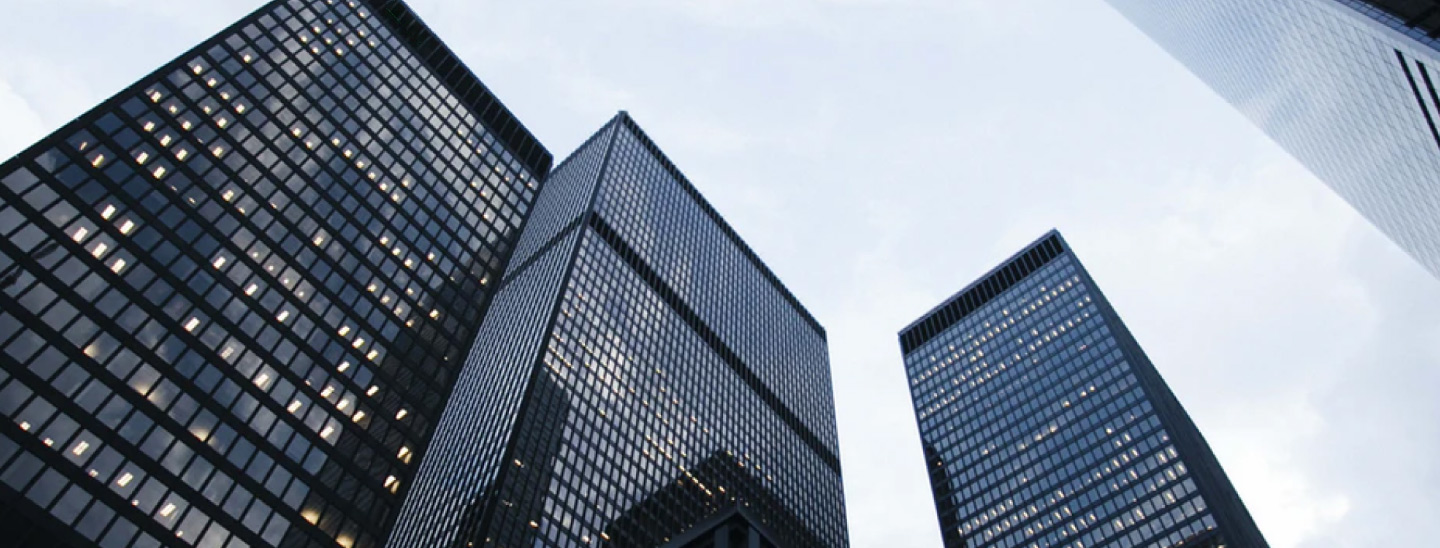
pixel 1294 400
pixel 23 126
pixel 881 155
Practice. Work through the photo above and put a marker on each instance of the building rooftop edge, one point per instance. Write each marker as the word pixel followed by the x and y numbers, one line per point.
pixel 466 86
pixel 715 216
pixel 974 286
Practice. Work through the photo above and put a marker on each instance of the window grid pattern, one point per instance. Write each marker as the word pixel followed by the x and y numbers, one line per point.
pixel 233 297
pixel 567 197
pixel 642 404
pixel 1044 436
pixel 1321 79
pixel 471 438
pixel 647 203
pixel 621 419
pixel 1417 28
pixel 456 480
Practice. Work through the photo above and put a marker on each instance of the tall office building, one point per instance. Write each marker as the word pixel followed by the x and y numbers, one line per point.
pixel 1044 424
pixel 1348 87
pixel 234 297
pixel 641 379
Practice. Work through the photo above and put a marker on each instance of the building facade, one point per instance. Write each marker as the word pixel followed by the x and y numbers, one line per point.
pixel 234 298
pixel 1044 424
pixel 641 378
pixel 1347 87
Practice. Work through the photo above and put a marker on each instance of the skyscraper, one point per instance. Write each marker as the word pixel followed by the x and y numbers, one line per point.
pixel 1044 424
pixel 641 378
pixel 234 298
pixel 1348 87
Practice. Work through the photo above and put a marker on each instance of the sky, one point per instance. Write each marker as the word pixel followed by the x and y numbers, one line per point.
pixel 881 154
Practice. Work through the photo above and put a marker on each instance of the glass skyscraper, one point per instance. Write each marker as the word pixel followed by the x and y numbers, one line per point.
pixel 1348 87
pixel 1044 424
pixel 234 298
pixel 641 378
pixel 241 304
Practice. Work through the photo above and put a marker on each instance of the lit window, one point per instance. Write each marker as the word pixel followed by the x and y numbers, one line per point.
pixel 401 414
pixel 80 448
pixel 124 479
pixel 192 324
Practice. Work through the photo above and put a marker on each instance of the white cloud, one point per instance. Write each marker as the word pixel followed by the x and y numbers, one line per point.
pixel 882 155
pixel 22 124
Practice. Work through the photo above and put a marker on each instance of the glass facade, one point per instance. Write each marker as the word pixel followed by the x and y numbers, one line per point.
pixel 234 298
pixel 1348 87
pixel 640 377
pixel 1418 19
pixel 1044 424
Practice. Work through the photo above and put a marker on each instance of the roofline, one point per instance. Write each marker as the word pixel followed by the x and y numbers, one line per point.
pixel 975 287
pixel 629 122
pixel 464 84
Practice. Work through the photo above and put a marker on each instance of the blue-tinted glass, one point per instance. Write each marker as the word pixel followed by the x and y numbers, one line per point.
pixel 1345 86
pixel 641 374
pixel 1044 424
pixel 236 296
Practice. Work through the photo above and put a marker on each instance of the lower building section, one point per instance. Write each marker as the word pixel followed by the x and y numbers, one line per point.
pixel 734 527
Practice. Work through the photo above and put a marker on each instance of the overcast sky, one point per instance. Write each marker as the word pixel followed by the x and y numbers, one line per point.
pixel 880 155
